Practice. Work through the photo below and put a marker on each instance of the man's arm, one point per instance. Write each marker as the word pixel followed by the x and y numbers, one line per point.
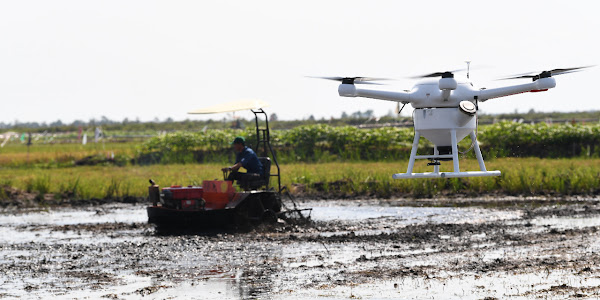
pixel 233 168
pixel 237 165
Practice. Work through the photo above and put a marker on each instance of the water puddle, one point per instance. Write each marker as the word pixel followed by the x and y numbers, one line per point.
pixel 69 216
pixel 410 215
pixel 567 222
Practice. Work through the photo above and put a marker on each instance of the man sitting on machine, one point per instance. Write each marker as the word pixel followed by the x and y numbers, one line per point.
pixel 246 158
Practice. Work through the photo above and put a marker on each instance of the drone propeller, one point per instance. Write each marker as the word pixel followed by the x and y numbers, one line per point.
pixel 546 74
pixel 353 80
pixel 445 74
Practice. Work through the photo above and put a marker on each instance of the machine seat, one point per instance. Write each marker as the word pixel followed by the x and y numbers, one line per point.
pixel 264 179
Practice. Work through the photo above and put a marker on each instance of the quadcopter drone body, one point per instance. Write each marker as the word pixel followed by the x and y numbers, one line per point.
pixel 445 113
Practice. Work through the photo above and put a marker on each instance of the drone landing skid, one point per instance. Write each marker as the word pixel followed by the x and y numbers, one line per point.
pixel 446 174
pixel 453 156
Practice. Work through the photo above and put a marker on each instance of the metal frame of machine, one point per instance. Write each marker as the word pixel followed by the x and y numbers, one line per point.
pixel 263 137
pixel 220 205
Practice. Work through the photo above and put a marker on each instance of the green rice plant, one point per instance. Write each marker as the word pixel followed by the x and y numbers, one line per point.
pixel 126 189
pixel 112 189
pixel 520 176
pixel 87 191
pixel 70 188
pixel 41 185
pixel 3 195
pixel 6 182
pixel 28 181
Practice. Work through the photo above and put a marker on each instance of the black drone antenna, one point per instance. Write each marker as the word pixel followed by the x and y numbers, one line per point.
pixel 468 67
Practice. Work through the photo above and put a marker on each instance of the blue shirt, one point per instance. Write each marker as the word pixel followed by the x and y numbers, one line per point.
pixel 249 161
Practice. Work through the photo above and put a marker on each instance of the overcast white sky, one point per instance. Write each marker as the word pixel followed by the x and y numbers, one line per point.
pixel 86 59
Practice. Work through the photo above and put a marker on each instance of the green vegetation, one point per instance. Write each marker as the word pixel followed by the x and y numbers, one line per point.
pixel 520 176
pixel 64 155
pixel 317 160
pixel 323 143
pixel 308 144
pixel 509 139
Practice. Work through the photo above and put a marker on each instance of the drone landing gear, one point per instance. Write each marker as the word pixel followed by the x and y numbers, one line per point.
pixel 447 154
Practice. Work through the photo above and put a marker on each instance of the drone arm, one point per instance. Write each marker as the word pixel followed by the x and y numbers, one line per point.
pixel 384 95
pixel 349 90
pixel 540 84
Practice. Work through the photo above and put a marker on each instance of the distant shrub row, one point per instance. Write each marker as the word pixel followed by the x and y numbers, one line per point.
pixel 321 142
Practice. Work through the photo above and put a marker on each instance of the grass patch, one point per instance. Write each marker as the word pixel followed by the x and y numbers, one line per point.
pixel 520 176
pixel 63 155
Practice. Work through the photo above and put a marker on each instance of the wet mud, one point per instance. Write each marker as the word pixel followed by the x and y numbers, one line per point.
pixel 367 249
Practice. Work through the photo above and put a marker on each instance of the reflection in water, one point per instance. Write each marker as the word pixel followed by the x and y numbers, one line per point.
pixel 228 269
pixel 256 281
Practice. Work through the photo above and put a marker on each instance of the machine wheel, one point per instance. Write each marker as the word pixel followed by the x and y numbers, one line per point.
pixel 257 208
pixel 272 202
pixel 269 217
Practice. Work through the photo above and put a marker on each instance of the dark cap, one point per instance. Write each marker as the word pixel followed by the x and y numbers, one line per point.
pixel 239 140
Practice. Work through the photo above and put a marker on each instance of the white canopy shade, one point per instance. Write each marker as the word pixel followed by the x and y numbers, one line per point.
pixel 232 106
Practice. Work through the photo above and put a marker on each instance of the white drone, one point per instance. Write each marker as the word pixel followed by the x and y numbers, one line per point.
pixel 446 112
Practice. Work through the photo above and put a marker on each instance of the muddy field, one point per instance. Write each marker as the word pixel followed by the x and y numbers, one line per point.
pixel 368 249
